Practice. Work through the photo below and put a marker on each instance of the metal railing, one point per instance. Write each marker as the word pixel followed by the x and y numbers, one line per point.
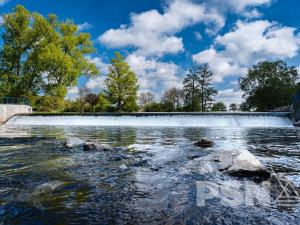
pixel 14 101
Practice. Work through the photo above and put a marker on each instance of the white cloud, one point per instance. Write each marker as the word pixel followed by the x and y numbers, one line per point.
pixel 229 96
pixel 252 14
pixel 248 43
pixel 198 36
pixel 152 33
pixel 96 84
pixel 84 26
pixel 154 75
pixel 237 6
pixel 72 93
pixel 102 66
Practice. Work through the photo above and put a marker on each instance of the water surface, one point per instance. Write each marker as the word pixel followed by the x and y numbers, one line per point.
pixel 148 183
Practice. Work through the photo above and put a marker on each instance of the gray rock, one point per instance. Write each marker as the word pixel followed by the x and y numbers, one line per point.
pixel 204 143
pixel 235 163
pixel 73 142
pixel 94 146
pixel 47 188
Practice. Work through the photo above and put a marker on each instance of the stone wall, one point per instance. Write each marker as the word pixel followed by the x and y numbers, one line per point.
pixel 7 111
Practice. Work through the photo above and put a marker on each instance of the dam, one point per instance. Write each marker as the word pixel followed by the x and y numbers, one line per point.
pixel 156 119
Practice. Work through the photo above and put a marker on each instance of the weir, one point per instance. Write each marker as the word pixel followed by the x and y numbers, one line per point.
pixel 272 119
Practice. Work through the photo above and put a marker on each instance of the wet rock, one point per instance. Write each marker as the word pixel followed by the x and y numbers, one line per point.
pixel 123 167
pixel 47 187
pixel 235 163
pixel 193 156
pixel 94 146
pixel 204 143
pixel 139 163
pixel 73 142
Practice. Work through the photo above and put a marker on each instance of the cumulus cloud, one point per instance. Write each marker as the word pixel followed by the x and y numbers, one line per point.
pixel 97 84
pixel 153 33
pixel 248 43
pixel 154 75
pixel 229 96
pixel 84 26
pixel 72 93
pixel 102 66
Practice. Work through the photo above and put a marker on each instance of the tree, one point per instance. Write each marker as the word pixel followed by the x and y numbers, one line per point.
pixel 121 85
pixel 191 88
pixel 42 56
pixel 82 95
pixel 172 99
pixel 92 100
pixel 218 107
pixel 146 98
pixel 207 91
pixel 233 107
pixel 269 85
pixel 103 103
pixel 198 88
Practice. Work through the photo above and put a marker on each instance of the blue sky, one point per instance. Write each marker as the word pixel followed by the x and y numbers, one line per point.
pixel 161 38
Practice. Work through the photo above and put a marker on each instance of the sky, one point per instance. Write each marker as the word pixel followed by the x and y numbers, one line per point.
pixel 160 39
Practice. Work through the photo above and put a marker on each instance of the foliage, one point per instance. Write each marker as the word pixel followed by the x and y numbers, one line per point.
pixel 198 88
pixel 269 85
pixel 121 85
pixel 218 107
pixel 191 88
pixel 233 107
pixel 207 91
pixel 42 56
pixel 172 99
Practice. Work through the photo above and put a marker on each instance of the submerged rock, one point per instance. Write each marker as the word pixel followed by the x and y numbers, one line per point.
pixel 94 146
pixel 204 143
pixel 73 142
pixel 47 187
pixel 235 163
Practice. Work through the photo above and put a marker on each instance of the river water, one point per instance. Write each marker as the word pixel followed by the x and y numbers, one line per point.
pixel 144 180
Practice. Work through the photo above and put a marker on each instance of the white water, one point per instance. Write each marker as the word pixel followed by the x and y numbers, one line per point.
pixel 156 121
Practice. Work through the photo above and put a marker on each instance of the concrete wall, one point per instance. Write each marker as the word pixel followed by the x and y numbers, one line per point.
pixel 6 111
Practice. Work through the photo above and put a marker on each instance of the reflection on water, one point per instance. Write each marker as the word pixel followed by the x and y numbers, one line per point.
pixel 143 184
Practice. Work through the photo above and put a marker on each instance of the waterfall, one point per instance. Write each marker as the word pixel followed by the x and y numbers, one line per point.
pixel 186 120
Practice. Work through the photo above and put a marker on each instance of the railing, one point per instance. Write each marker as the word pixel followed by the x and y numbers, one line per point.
pixel 14 101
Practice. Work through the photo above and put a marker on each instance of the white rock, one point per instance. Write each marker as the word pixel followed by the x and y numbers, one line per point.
pixel 47 187
pixel 73 142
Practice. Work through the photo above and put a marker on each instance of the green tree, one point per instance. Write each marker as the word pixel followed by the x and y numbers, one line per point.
pixel 218 107
pixel 207 91
pixel 102 104
pixel 233 107
pixel 92 99
pixel 198 88
pixel 121 85
pixel 191 88
pixel 269 85
pixel 42 56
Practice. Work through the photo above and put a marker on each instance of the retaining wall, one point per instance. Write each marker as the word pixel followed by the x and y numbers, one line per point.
pixel 7 111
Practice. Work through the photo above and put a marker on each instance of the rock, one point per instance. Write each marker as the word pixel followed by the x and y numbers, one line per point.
pixel 123 167
pixel 204 143
pixel 47 187
pixel 73 142
pixel 94 146
pixel 193 156
pixel 235 163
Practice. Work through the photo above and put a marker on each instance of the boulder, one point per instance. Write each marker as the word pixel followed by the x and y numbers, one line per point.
pixel 235 163
pixel 204 143
pixel 73 142
pixel 94 146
